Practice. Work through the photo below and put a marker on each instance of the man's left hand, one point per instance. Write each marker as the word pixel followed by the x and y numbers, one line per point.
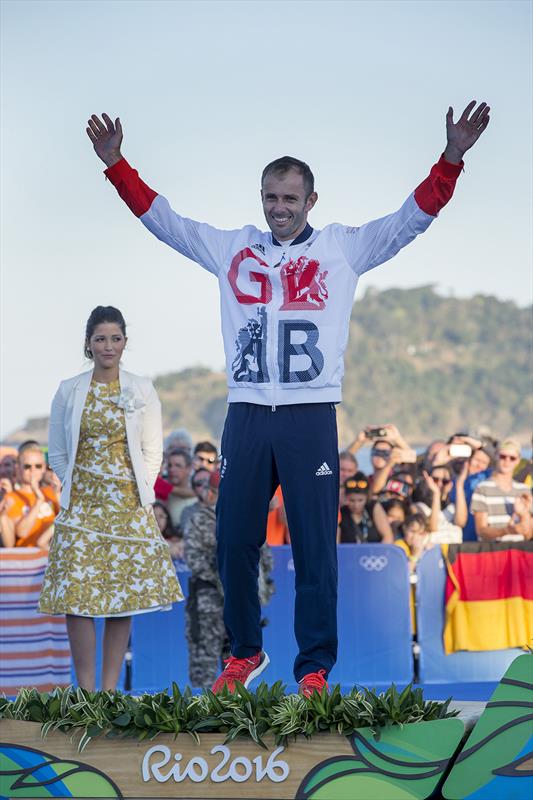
pixel 464 133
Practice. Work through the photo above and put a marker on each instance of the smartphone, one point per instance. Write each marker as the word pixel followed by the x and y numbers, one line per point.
pixel 376 433
pixel 460 451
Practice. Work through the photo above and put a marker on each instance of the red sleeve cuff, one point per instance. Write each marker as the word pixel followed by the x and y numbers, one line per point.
pixel 118 171
pixel 437 189
pixel 135 193
pixel 449 170
pixel 162 488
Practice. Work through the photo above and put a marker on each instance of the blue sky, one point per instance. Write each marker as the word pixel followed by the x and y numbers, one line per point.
pixel 209 92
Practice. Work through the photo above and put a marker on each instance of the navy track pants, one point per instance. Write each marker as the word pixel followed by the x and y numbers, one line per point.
pixel 295 445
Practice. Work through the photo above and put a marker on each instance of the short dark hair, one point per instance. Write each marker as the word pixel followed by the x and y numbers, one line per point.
pixel 97 316
pixel 180 451
pixel 169 527
pixel 284 164
pixel 205 447
pixel 416 517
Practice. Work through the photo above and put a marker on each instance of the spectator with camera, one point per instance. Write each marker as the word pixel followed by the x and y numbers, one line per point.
pixel 471 462
pixel 400 485
pixel 389 450
pixel 432 499
pixel 362 521
pixel 501 505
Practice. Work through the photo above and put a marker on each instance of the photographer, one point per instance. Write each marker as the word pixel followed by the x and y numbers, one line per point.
pixel 471 461
pixel 389 449
pixel 433 501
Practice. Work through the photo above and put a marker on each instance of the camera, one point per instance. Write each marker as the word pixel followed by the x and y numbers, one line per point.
pixel 376 433
pixel 460 451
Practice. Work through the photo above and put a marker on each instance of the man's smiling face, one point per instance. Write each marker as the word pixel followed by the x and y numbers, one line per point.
pixel 285 204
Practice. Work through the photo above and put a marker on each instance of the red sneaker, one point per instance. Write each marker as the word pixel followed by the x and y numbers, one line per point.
pixel 243 670
pixel 312 682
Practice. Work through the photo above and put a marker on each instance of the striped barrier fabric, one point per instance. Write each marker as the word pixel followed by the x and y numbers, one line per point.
pixel 34 649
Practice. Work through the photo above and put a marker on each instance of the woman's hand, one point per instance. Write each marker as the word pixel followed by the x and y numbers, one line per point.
pixel 432 486
pixel 37 491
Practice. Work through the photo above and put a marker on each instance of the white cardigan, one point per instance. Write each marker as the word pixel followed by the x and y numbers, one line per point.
pixel 143 430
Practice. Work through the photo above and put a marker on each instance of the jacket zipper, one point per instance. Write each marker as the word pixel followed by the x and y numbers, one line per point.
pixel 273 322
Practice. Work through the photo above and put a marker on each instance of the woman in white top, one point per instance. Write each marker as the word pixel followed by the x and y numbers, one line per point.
pixel 107 558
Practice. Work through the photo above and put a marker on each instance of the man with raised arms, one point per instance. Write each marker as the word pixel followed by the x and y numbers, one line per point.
pixel 286 299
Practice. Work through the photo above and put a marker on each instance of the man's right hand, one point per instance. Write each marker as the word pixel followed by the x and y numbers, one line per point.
pixel 106 137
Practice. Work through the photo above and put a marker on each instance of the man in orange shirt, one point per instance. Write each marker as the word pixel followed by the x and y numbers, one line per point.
pixel 32 507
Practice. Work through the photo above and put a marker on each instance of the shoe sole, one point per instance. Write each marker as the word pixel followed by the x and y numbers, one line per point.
pixel 257 671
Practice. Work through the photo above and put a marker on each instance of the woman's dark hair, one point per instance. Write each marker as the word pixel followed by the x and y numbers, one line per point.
pixel 169 528
pixel 394 502
pixel 418 518
pixel 97 316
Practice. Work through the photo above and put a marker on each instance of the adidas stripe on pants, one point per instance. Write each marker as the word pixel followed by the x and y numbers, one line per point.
pixel 295 445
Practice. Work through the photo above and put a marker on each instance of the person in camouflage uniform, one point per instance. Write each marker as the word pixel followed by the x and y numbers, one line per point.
pixel 205 631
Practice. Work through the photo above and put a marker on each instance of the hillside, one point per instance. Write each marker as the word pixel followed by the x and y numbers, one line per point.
pixel 431 364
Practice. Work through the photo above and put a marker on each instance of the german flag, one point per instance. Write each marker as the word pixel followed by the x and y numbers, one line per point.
pixel 489 595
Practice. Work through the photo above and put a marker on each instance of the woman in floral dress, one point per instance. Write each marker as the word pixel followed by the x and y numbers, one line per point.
pixel 107 557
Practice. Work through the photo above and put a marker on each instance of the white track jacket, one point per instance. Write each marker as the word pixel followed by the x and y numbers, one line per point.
pixel 286 306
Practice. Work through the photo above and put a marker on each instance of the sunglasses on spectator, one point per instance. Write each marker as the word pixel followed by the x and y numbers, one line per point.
pixel 440 479
pixel 380 453
pixel 206 459
pixel 356 484
pixel 33 466
pixel 507 457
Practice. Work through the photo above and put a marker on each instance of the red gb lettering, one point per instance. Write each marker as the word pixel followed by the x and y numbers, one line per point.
pixel 304 286
pixel 263 280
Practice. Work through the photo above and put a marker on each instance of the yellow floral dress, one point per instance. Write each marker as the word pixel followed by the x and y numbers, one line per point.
pixel 107 557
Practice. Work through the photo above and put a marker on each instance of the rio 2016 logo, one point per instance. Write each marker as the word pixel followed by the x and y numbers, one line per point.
pixel 238 769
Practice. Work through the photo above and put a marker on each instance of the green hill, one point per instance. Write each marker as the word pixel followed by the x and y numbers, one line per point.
pixel 433 365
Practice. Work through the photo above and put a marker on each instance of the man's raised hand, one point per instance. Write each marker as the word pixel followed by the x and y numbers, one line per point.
pixel 466 131
pixel 106 137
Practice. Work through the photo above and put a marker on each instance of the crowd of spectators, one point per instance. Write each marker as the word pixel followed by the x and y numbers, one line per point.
pixel 465 488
